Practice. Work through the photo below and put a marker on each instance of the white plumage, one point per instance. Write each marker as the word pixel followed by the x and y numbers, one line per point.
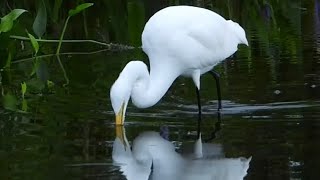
pixel 179 40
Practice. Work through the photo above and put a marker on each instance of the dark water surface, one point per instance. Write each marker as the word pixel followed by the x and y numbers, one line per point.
pixel 270 91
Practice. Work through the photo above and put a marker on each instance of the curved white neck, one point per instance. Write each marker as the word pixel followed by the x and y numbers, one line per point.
pixel 148 89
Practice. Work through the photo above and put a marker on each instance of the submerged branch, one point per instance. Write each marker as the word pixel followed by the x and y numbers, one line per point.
pixel 109 46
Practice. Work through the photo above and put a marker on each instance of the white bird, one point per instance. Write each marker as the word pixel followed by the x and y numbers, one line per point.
pixel 150 150
pixel 179 41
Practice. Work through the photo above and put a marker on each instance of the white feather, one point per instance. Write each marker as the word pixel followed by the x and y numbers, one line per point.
pixel 179 40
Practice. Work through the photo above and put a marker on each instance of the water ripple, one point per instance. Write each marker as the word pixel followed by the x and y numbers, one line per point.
pixel 171 110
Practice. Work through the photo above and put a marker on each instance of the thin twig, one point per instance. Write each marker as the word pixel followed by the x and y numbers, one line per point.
pixel 57 41
pixel 110 46
pixel 66 53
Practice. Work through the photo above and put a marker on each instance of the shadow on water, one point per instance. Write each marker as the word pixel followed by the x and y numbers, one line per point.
pixel 63 128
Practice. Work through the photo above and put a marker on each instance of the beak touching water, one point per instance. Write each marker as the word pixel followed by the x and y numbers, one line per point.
pixel 120 132
pixel 120 116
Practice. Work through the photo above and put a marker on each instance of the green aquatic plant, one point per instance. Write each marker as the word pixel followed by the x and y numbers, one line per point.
pixel 6 25
pixel 7 21
pixel 35 46
pixel 44 12
pixel 34 43
pixel 71 13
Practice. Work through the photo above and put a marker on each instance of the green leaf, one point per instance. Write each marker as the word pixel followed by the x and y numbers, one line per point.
pixel 79 8
pixel 40 23
pixel 34 43
pixel 7 21
pixel 23 89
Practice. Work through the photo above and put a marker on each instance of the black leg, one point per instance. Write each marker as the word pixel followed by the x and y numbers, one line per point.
pixel 217 128
pixel 217 78
pixel 199 111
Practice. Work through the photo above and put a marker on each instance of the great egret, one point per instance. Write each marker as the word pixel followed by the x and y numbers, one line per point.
pixel 151 151
pixel 179 40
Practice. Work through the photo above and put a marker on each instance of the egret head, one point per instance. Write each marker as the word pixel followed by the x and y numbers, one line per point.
pixel 129 79
pixel 119 96
pixel 239 32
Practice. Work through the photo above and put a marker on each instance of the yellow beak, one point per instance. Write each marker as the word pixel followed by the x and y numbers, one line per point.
pixel 120 116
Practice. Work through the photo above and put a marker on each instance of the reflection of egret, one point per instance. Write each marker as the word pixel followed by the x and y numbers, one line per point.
pixel 129 166
pixel 179 40
pixel 150 150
